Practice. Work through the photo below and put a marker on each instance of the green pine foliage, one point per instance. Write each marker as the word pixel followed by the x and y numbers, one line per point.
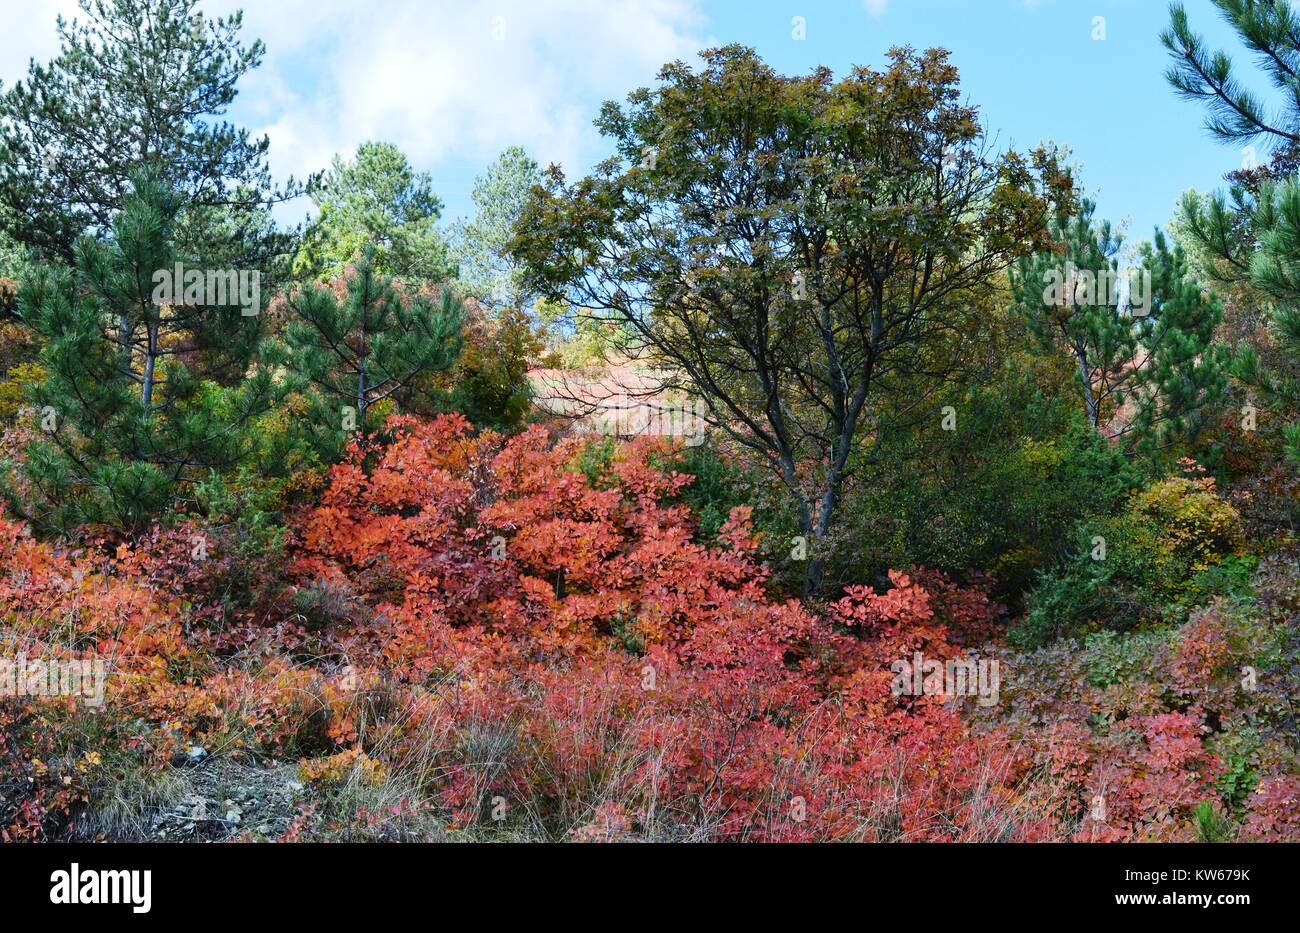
pixel 479 246
pixel 140 398
pixel 1141 340
pixel 375 202
pixel 1252 234
pixel 347 354
pixel 136 82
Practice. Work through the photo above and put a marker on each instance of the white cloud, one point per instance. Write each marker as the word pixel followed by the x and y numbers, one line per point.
pixel 431 78
pixel 875 7
pixel 427 75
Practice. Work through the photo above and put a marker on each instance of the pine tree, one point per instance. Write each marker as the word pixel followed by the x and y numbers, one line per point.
pixel 480 245
pixel 1252 236
pixel 1183 376
pixel 1141 339
pixel 347 354
pixel 122 424
pixel 135 82
pixel 376 202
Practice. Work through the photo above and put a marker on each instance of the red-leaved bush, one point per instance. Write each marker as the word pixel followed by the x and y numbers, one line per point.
pixel 470 633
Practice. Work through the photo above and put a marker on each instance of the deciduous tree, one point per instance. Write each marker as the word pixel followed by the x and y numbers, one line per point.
pixel 791 250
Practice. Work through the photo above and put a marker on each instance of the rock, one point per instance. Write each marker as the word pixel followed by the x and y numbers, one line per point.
pixel 196 753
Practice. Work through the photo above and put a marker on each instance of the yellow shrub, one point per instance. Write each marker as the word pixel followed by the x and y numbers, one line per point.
pixel 335 768
pixel 14 387
pixel 1192 521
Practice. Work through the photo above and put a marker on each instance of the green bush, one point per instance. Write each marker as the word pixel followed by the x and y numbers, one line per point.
pixel 1172 549
pixel 1002 494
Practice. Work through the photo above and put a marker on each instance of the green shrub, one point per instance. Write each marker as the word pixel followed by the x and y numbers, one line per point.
pixel 1172 549
pixel 1001 495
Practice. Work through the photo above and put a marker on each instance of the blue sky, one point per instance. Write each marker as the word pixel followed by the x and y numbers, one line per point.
pixel 452 83
pixel 1036 73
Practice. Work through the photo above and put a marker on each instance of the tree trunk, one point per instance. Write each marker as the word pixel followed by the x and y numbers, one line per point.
pixel 1090 406
pixel 150 363
pixel 361 374
pixel 816 567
